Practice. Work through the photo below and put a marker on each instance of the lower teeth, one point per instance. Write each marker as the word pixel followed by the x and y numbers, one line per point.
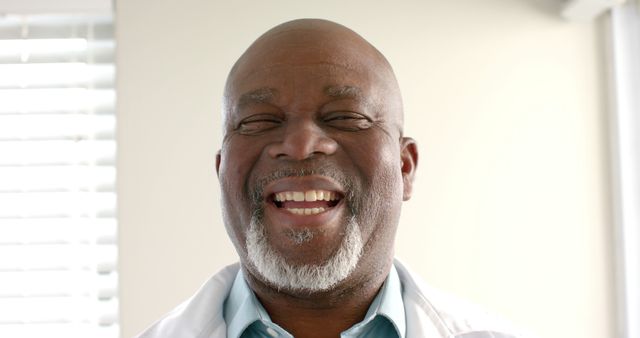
pixel 305 211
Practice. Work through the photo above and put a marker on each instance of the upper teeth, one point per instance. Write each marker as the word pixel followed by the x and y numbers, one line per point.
pixel 307 196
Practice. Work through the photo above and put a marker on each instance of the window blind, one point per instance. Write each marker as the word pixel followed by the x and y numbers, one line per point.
pixel 58 249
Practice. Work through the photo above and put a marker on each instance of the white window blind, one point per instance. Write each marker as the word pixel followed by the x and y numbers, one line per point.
pixel 58 247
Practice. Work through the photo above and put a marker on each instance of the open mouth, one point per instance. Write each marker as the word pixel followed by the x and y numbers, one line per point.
pixel 309 202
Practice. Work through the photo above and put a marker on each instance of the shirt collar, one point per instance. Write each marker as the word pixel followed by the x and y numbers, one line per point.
pixel 391 303
pixel 242 307
pixel 388 303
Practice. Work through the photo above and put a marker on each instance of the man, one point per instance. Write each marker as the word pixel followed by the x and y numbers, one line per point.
pixel 313 171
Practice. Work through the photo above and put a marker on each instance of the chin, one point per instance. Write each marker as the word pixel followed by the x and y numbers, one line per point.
pixel 307 277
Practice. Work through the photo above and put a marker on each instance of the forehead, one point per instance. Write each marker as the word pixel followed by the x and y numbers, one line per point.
pixel 297 79
pixel 303 75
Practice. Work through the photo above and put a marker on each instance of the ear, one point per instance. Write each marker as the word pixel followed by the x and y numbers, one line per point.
pixel 409 163
pixel 218 158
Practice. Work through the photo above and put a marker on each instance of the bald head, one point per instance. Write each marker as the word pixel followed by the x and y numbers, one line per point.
pixel 302 43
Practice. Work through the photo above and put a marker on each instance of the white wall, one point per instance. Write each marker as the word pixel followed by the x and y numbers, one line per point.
pixel 505 99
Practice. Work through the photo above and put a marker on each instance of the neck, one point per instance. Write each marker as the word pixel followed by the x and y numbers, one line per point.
pixel 322 314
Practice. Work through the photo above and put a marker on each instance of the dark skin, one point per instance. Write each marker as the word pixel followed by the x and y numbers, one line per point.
pixel 307 94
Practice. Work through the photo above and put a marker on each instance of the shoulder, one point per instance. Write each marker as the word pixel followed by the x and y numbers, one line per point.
pixel 447 315
pixel 199 316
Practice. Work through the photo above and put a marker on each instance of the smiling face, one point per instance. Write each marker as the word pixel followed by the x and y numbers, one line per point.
pixel 313 166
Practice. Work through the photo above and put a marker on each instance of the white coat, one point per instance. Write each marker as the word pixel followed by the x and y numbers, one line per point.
pixel 429 313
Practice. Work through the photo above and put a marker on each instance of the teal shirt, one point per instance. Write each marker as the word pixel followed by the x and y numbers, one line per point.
pixel 247 318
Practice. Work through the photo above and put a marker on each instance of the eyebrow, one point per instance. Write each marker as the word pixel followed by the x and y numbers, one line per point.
pixel 260 95
pixel 343 92
pixel 267 95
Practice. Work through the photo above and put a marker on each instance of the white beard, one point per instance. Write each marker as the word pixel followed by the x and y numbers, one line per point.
pixel 309 278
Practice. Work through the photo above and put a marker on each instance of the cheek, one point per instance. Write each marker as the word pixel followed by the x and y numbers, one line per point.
pixel 235 167
pixel 380 179
pixel 379 164
pixel 237 159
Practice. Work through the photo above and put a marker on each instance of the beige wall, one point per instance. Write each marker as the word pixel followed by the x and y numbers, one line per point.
pixel 505 99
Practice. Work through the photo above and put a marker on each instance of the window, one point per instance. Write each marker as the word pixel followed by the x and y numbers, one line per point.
pixel 58 245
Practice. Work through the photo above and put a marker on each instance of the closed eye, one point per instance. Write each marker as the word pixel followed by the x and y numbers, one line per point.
pixel 348 121
pixel 257 124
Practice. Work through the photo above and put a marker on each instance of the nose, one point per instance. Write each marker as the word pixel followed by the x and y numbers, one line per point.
pixel 302 139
